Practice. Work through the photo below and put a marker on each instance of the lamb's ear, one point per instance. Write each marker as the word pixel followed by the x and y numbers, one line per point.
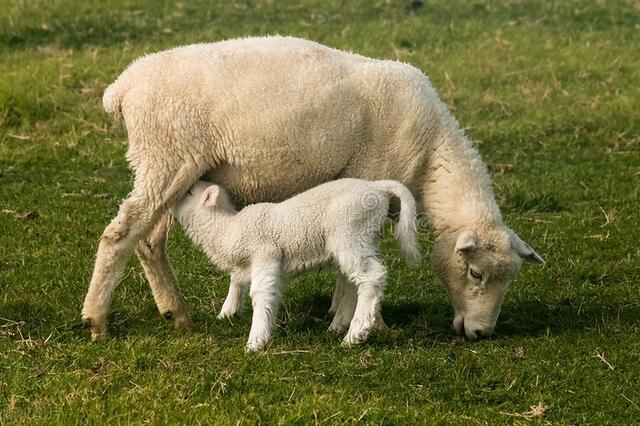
pixel 525 251
pixel 467 242
pixel 210 196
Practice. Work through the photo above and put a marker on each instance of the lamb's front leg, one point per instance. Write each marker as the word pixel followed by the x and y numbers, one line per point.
pixel 266 292
pixel 234 302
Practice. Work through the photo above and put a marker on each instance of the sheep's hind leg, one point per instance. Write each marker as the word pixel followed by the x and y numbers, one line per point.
pixel 370 280
pixel 149 199
pixel 152 252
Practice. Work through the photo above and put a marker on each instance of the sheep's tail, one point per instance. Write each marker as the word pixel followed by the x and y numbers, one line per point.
pixel 406 231
pixel 113 95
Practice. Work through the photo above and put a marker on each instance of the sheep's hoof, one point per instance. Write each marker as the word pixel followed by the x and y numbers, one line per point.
pixel 182 321
pixel 180 318
pixel 99 329
pixel 97 336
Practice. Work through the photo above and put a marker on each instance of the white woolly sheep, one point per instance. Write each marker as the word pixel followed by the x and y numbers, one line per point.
pixel 266 244
pixel 270 117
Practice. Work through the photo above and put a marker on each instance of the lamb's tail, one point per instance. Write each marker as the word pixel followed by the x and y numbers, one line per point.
pixel 113 95
pixel 406 231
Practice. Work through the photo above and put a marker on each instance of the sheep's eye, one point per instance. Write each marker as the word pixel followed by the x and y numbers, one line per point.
pixel 189 192
pixel 475 274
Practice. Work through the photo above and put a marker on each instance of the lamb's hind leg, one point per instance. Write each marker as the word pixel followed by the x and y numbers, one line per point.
pixel 152 253
pixel 151 195
pixel 338 294
pixel 344 298
pixel 370 278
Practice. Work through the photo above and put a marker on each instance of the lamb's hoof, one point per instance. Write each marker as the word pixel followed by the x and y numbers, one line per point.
pixel 380 325
pixel 226 315
pixel 168 315
pixel 99 329
pixel 254 348
pixel 255 345
pixel 347 343
pixel 338 326
pixel 352 339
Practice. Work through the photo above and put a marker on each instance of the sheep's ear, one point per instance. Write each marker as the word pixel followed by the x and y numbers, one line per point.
pixel 467 242
pixel 210 196
pixel 525 251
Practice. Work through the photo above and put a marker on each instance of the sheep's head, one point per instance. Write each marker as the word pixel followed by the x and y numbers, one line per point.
pixel 202 197
pixel 476 267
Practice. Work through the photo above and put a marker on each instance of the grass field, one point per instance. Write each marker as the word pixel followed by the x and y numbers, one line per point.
pixel 550 93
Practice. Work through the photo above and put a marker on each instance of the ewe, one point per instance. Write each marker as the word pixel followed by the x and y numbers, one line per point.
pixel 271 117
pixel 266 244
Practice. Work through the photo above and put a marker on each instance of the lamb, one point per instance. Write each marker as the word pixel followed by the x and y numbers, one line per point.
pixel 266 244
pixel 270 117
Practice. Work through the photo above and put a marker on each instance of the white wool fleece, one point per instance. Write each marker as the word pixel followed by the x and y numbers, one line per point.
pixel 270 117
pixel 266 244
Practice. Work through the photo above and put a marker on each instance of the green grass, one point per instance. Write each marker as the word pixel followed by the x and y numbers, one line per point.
pixel 548 90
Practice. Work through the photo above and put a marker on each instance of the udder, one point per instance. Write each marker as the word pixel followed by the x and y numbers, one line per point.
pixel 275 184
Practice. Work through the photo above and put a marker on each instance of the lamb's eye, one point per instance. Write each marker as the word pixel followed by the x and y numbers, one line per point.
pixel 475 274
pixel 189 192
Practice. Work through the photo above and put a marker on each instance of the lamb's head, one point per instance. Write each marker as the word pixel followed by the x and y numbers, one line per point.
pixel 202 197
pixel 476 267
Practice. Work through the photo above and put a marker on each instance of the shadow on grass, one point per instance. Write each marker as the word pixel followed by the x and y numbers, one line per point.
pixel 412 320
pixel 420 321
pixel 528 318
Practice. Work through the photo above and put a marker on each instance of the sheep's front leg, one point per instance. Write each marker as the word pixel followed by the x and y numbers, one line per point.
pixel 152 253
pixel 266 292
pixel 135 217
pixel 153 191
pixel 234 302
pixel 370 280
